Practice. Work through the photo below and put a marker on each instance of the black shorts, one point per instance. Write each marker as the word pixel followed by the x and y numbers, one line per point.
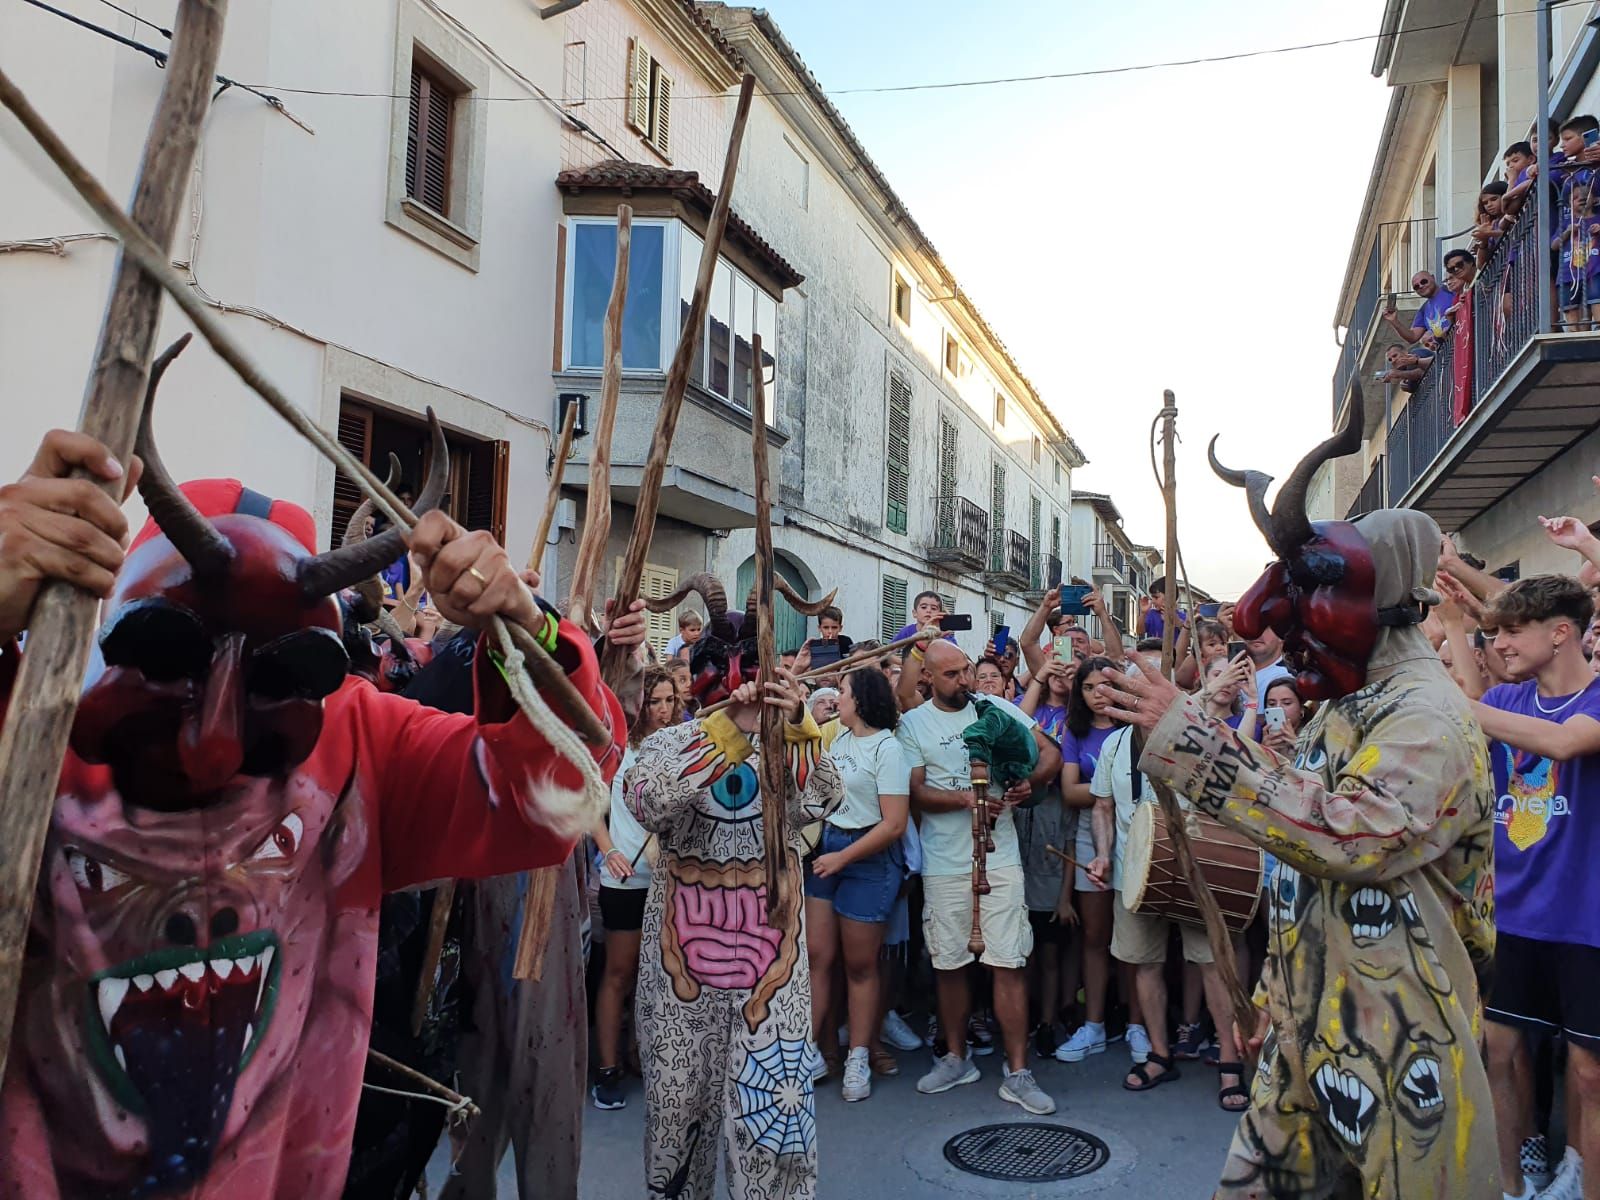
pixel 1547 986
pixel 1047 931
pixel 622 909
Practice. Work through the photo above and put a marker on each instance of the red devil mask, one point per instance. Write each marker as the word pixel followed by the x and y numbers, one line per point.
pixel 223 637
pixel 1320 596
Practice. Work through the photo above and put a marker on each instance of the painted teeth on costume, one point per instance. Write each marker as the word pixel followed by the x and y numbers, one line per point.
pixel 245 964
pixel 194 972
pixel 1421 1083
pixel 122 1059
pixel 166 979
pixel 221 967
pixel 1350 1105
pixel 144 982
pixel 111 993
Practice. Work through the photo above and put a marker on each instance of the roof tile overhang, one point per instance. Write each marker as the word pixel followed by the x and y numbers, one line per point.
pixel 634 180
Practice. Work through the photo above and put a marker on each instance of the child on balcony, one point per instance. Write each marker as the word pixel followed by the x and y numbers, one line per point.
pixel 1578 241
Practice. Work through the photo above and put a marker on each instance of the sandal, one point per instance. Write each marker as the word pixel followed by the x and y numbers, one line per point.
pixel 1235 1091
pixel 1141 1072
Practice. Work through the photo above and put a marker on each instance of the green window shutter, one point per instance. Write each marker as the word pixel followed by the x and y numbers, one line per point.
pixel 997 518
pixel 1034 521
pixel 898 488
pixel 947 481
pixel 894 607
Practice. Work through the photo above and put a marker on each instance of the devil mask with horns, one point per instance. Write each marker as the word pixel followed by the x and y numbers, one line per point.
pixel 725 657
pixel 1320 596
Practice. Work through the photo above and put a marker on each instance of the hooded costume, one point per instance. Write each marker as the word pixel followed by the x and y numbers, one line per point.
pixel 1381 911
pixel 198 984
pixel 724 999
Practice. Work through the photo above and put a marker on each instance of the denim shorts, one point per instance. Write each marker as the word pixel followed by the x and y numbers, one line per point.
pixel 866 889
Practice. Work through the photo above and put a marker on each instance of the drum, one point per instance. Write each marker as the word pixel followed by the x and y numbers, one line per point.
pixel 1152 881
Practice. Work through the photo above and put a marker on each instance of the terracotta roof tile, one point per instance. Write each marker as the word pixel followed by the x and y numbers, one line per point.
pixel 614 174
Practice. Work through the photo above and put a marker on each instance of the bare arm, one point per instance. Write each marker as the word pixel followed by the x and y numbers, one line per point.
pixel 1573 738
pixel 1032 652
pixel 927 799
pixel 906 694
pixel 1074 792
pixel 1096 604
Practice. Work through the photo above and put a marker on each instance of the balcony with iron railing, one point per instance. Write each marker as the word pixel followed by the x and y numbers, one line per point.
pixel 1399 250
pixel 1508 391
pixel 1371 495
pixel 961 532
pixel 1010 557
pixel 1108 556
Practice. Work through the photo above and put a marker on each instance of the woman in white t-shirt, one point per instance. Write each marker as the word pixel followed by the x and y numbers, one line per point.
pixel 852 883
pixel 624 886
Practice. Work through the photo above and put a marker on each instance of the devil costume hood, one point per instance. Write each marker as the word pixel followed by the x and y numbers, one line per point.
pixel 198 984
pixel 1381 911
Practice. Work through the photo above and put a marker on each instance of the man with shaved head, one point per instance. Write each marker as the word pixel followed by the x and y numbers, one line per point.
pixel 941 792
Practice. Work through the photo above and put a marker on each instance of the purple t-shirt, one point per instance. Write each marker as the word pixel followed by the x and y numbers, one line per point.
pixel 1431 316
pixel 1155 621
pixel 1052 719
pixel 1085 750
pixel 1547 826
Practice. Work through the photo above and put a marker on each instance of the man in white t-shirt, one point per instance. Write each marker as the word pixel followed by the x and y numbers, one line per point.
pixel 1140 939
pixel 941 792
pixel 1266 652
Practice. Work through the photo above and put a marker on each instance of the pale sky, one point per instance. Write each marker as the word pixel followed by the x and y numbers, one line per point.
pixel 1184 228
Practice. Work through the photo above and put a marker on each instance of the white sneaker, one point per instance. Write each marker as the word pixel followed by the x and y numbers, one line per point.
pixel 1089 1039
pixel 1020 1087
pixel 857 1075
pixel 948 1072
pixel 898 1034
pixel 1138 1043
pixel 1568 1181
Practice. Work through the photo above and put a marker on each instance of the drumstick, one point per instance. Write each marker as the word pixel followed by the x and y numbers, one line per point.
pixel 1063 856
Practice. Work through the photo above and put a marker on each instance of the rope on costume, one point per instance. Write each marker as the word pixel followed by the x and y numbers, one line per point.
pixel 459 1110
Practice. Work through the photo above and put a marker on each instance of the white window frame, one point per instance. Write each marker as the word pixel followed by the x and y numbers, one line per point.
pixel 671 269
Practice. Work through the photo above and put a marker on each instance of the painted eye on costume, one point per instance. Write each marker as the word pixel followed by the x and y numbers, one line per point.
pixel 282 842
pixel 91 875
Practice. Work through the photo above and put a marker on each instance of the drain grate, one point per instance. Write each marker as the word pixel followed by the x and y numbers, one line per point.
pixel 1023 1151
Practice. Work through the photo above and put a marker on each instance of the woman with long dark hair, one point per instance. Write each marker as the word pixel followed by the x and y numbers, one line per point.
pixel 854 880
pixel 624 886
pixel 1089 724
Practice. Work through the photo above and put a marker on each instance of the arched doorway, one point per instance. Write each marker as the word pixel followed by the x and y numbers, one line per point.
pixel 788 625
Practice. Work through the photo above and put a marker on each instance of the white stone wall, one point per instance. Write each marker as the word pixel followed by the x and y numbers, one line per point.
pixel 293 226
pixel 1510 531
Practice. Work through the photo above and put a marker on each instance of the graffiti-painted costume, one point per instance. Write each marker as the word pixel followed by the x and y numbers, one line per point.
pixel 1381 913
pixel 199 978
pixel 724 1000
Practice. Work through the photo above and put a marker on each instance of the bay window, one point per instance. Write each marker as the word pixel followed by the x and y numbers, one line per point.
pixel 663 262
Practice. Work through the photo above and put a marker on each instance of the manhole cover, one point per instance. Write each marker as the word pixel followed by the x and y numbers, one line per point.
pixel 1023 1151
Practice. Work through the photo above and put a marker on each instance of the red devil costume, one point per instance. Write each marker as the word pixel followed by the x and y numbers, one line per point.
pixel 1381 907
pixel 198 986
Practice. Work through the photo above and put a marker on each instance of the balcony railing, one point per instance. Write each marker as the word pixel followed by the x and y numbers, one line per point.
pixel 961 534
pixel 1109 557
pixel 1371 495
pixel 1009 557
pixel 1399 251
pixel 1505 318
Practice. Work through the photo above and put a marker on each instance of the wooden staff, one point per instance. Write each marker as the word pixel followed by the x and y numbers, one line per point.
pixel 856 662
pixel 444 898
pixel 774 757
pixel 1244 1011
pixel 418 1080
pixel 543 670
pixel 44 700
pixel 539 903
pixel 982 844
pixel 644 515
pixel 558 468
pixel 597 509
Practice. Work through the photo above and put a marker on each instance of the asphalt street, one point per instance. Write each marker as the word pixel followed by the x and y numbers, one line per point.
pixel 1167 1143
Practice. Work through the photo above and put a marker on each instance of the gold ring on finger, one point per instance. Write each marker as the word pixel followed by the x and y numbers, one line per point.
pixel 478 575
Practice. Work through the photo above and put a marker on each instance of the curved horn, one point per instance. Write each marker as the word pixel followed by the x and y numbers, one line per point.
pixel 1254 484
pixel 1290 527
pixel 709 588
pixel 334 570
pixel 196 538
pixel 354 531
pixel 799 603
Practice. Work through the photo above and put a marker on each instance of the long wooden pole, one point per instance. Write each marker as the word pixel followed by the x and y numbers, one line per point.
pixel 539 902
pixel 1216 929
pixel 597 509
pixel 774 776
pixel 545 672
pixel 44 700
pixel 558 468
pixel 856 662
pixel 644 516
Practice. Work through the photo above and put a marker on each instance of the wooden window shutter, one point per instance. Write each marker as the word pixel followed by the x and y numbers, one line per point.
pixel 483 487
pixel 657 582
pixel 661 117
pixel 1035 532
pixel 428 140
pixel 947 481
pixel 897 492
pixel 639 87
pixel 894 608
pixel 997 518
pixel 947 601
pixel 355 435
